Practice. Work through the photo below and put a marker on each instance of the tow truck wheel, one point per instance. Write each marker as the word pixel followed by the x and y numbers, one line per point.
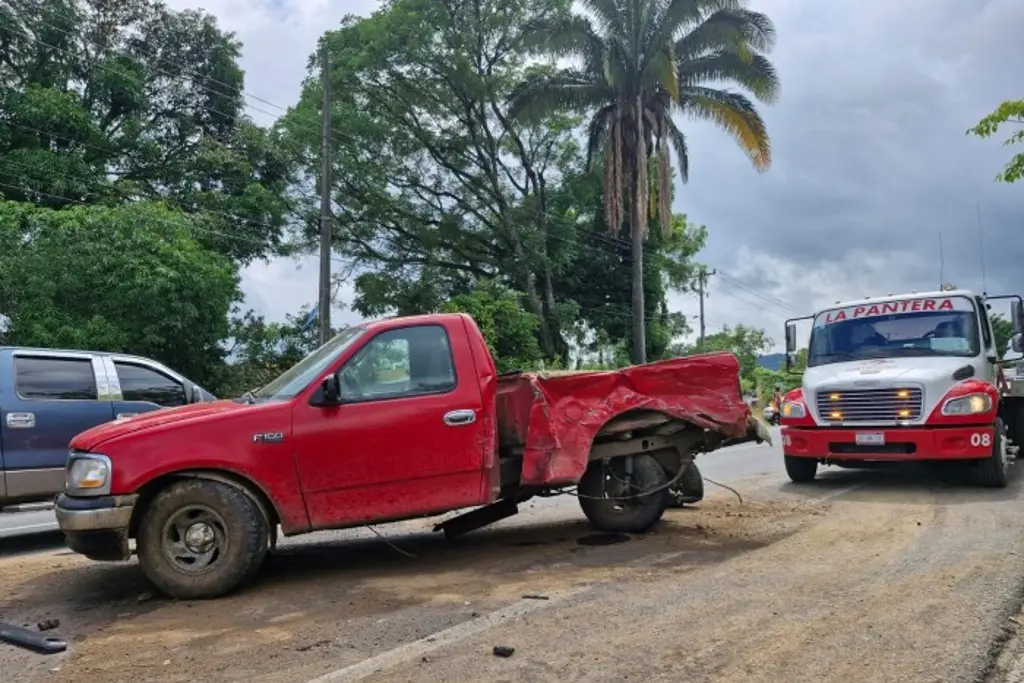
pixel 615 501
pixel 201 539
pixel 801 470
pixel 992 470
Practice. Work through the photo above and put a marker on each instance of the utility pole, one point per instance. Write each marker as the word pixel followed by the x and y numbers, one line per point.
pixel 702 283
pixel 325 206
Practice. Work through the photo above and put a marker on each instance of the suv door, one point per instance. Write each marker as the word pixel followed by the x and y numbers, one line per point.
pixel 141 386
pixel 58 395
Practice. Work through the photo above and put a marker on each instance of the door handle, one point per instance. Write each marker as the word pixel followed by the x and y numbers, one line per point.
pixel 457 418
pixel 21 420
pixel 124 415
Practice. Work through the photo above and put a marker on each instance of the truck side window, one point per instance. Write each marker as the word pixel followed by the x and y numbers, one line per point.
pixel 55 379
pixel 409 361
pixel 140 383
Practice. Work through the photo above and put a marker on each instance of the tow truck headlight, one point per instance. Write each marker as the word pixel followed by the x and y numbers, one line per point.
pixel 968 405
pixel 87 474
pixel 794 409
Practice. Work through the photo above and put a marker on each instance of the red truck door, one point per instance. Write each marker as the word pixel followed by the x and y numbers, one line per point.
pixel 408 437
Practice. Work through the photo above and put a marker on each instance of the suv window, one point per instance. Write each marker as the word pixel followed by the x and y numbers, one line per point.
pixel 139 383
pixel 409 361
pixel 62 379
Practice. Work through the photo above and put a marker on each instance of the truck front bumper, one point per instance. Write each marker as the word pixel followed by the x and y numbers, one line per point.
pixel 96 527
pixel 897 444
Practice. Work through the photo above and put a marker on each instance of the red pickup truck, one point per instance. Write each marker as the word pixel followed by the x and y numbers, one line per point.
pixel 389 420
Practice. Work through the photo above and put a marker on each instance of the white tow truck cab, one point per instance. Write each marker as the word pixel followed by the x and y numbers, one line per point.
pixel 912 377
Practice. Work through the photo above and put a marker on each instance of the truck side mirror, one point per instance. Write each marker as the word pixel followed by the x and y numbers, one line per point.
pixel 332 390
pixel 195 394
pixel 1017 317
pixel 1017 343
pixel 790 345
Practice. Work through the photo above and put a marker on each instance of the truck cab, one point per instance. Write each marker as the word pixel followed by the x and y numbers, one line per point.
pixel 47 396
pixel 913 377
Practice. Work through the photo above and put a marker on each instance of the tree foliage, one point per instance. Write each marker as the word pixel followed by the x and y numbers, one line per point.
pixel 438 188
pixel 108 102
pixel 639 65
pixel 1010 112
pixel 129 279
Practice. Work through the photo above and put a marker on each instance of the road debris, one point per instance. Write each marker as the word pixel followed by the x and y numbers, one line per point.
pixel 30 640
pixel 48 624
pixel 503 651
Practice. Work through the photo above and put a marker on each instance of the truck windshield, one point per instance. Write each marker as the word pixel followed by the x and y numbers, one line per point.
pixel 298 377
pixel 908 328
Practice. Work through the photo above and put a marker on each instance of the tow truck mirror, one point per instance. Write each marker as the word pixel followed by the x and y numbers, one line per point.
pixel 1017 343
pixel 790 344
pixel 1017 316
pixel 195 395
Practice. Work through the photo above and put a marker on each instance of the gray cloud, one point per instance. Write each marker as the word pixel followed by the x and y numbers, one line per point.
pixel 870 155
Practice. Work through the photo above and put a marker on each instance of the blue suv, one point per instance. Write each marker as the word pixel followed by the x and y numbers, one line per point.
pixel 48 396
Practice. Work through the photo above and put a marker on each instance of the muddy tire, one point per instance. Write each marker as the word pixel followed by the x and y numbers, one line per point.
pixel 992 471
pixel 801 470
pixel 201 539
pixel 689 489
pixel 612 506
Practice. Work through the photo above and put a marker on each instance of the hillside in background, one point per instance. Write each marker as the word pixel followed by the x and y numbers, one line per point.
pixel 772 361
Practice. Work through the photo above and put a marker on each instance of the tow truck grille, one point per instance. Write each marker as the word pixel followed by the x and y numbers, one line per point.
pixel 870 405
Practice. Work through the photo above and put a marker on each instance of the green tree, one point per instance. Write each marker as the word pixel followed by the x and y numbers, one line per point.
pixel 131 279
pixel 642 63
pixel 1002 330
pixel 107 102
pixel 510 331
pixel 1009 112
pixel 258 351
pixel 435 187
pixel 746 343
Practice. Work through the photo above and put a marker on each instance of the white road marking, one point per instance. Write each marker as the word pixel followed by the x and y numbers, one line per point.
pixel 836 494
pixel 417 648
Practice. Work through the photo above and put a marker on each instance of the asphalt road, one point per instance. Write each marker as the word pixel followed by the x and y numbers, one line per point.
pixel 881 576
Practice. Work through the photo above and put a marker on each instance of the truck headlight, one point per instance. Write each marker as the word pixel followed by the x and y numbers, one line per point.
pixel 794 409
pixel 968 405
pixel 87 474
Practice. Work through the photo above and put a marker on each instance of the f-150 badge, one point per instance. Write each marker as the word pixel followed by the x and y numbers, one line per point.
pixel 268 437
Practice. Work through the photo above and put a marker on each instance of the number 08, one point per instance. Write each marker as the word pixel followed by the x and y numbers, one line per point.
pixel 979 439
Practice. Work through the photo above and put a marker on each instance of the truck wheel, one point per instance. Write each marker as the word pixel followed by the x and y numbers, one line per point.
pixel 201 539
pixel 992 470
pixel 689 489
pixel 610 499
pixel 801 470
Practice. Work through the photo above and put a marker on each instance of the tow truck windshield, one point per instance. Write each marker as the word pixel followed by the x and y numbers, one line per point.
pixel 947 328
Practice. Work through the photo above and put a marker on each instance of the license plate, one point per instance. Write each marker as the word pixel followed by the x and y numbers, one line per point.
pixel 870 439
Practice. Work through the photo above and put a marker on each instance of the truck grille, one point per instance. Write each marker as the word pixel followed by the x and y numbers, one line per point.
pixel 870 405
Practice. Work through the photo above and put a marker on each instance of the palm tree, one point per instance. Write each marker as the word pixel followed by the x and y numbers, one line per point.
pixel 639 65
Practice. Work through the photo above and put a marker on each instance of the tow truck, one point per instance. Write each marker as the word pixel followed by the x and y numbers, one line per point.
pixel 910 377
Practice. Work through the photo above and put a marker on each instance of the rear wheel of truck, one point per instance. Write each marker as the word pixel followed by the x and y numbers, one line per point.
pixel 201 539
pixel 689 489
pixel 615 501
pixel 992 470
pixel 801 470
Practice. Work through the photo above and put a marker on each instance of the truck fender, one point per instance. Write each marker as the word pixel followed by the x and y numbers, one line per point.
pixel 252 490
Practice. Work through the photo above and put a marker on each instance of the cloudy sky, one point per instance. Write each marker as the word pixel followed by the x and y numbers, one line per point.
pixel 871 163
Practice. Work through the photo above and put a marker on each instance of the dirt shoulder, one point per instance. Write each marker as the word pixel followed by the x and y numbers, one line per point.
pixel 326 603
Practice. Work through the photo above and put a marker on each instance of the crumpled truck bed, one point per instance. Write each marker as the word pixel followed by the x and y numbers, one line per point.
pixel 553 418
